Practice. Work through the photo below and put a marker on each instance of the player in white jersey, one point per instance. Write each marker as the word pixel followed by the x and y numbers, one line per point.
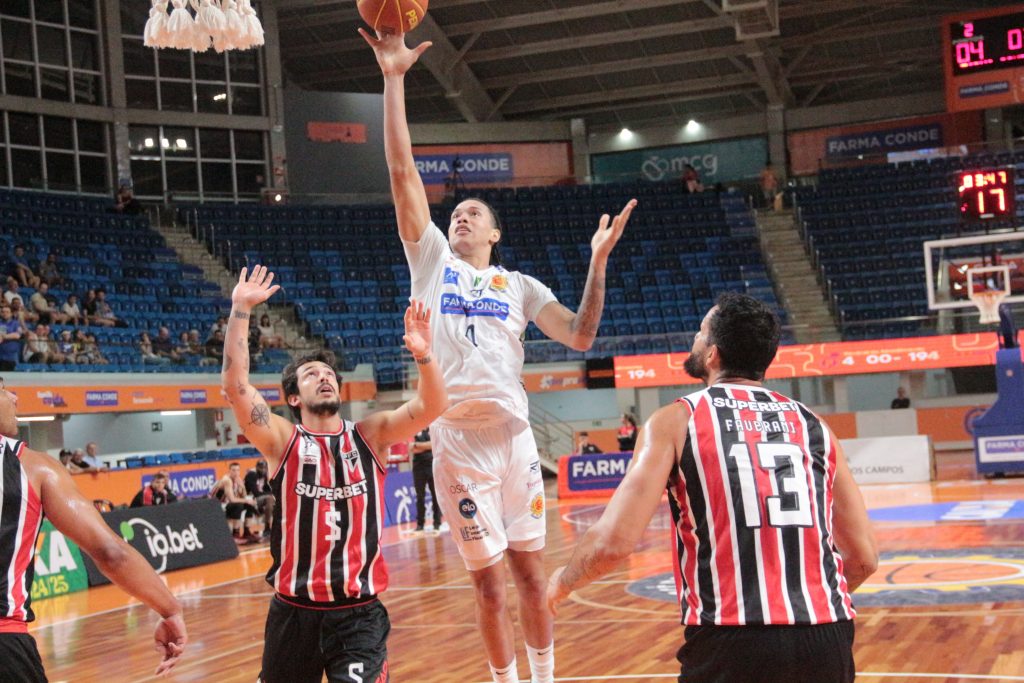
pixel 486 466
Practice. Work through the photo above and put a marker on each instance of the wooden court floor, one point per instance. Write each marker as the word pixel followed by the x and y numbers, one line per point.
pixel 614 630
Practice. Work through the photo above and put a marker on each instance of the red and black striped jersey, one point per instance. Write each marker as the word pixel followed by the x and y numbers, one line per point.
pixel 751 498
pixel 21 515
pixel 328 519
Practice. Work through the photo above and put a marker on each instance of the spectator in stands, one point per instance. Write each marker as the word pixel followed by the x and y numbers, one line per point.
pixel 269 339
pixel 66 347
pixel 11 292
pixel 44 305
pixel 89 306
pixel 257 486
pixel 21 269
pixel 104 313
pixel 92 452
pixel 126 203
pixel 79 465
pixel 65 457
pixel 691 179
pixel 195 345
pixel 230 491
pixel 627 433
pixel 149 357
pixel 901 400
pixel 23 315
pixel 769 185
pixel 49 272
pixel 157 492
pixel 10 338
pixel 89 349
pixel 585 447
pixel 73 314
pixel 40 347
pixel 163 346
pixel 214 349
pixel 184 349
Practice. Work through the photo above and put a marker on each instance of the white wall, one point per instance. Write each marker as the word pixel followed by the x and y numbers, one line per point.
pixel 133 432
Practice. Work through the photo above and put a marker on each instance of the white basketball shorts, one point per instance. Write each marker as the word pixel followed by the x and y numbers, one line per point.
pixel 491 490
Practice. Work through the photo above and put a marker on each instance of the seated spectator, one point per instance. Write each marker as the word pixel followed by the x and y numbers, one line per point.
pixel 221 324
pixel 627 433
pixel 104 313
pixel 157 492
pixel 11 333
pixel 66 347
pixel 214 349
pixel 89 306
pixel 92 451
pixel 39 346
pixel 126 203
pixel 44 305
pixel 88 349
pixel 239 508
pixel 254 339
pixel 65 457
pixel 73 314
pixel 163 346
pixel 195 345
pixel 269 339
pixel 691 180
pixel 21 269
pixel 585 447
pixel 257 486
pixel 12 292
pixel 78 464
pixel 146 351
pixel 23 315
pixel 48 271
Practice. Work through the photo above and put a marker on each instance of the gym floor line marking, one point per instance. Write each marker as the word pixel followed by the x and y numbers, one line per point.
pixel 945 676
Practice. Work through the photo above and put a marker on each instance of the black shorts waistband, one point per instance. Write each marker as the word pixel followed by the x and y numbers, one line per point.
pixel 344 603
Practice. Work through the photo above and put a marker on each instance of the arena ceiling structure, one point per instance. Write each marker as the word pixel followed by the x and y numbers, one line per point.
pixel 630 63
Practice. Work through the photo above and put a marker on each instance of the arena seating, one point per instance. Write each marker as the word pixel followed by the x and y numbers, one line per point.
pixel 864 227
pixel 185 457
pixel 344 270
pixel 146 284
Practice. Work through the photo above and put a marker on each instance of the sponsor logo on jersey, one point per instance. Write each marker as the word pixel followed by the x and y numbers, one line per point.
pixel 499 283
pixel 451 277
pixel 469 487
pixel 535 466
pixel 474 533
pixel 309 451
pixel 537 506
pixel 758 406
pixel 331 493
pixel 467 508
pixel 453 304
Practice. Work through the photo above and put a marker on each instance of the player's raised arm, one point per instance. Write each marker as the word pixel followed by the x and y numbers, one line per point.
pixel 75 517
pixel 269 433
pixel 386 427
pixel 411 205
pixel 578 330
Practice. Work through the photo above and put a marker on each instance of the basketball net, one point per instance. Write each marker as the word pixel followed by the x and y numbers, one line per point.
pixel 220 24
pixel 988 305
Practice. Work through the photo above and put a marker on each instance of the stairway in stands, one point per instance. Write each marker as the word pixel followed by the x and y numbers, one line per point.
pixel 796 280
pixel 194 252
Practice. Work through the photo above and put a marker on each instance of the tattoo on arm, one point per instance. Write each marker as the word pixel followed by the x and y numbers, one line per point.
pixel 240 315
pixel 260 416
pixel 588 317
pixel 581 570
pixel 227 362
pixel 241 388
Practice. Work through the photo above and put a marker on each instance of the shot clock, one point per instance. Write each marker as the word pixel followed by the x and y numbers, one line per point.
pixel 986 194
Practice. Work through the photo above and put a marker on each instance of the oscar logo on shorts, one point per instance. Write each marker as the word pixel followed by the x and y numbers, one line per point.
pixel 537 506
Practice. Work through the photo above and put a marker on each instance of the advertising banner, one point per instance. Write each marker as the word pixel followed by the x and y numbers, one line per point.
pixel 716 162
pixel 189 483
pixel 823 360
pixel 483 165
pixel 59 568
pixel 597 474
pixel 185 534
pixel 883 141
pixel 871 460
pixel 399 497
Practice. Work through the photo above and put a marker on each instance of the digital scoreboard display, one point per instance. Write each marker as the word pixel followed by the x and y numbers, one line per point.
pixel 986 194
pixel 983 58
pixel 987 44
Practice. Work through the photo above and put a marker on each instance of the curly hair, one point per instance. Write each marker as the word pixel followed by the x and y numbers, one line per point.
pixel 746 333
pixel 290 375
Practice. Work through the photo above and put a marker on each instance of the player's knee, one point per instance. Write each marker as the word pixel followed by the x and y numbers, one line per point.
pixel 491 594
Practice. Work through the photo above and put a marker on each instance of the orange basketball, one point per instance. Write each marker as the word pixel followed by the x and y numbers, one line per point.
pixel 392 16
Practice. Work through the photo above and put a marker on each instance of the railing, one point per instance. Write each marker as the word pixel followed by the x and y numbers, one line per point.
pixel 554 437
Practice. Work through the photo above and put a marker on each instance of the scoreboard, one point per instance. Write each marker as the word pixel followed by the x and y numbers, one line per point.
pixel 983 56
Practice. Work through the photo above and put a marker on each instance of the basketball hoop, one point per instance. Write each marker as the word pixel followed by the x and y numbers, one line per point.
pixel 988 305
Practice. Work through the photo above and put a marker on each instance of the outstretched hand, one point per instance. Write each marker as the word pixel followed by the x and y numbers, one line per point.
pixel 607 236
pixel 417 329
pixel 170 638
pixel 253 289
pixel 392 54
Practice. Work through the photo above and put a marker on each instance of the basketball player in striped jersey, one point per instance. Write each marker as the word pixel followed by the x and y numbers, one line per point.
pixel 328 479
pixel 33 484
pixel 771 532
pixel 485 459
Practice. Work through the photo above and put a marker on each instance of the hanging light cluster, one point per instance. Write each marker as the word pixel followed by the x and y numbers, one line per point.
pixel 220 24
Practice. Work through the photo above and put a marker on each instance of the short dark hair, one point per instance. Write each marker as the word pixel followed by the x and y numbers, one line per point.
pixel 746 333
pixel 159 475
pixel 235 464
pixel 290 375
pixel 495 253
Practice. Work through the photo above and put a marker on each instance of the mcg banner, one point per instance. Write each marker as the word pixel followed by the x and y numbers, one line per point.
pixel 716 162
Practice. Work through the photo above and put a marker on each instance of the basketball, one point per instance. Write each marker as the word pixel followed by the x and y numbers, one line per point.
pixel 388 17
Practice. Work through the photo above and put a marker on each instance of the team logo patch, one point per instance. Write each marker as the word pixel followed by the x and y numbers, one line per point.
pixel 309 451
pixel 451 277
pixel 499 283
pixel 537 506
pixel 467 508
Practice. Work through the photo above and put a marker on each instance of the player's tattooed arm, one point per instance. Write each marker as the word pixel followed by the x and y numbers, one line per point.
pixel 260 415
pixel 588 317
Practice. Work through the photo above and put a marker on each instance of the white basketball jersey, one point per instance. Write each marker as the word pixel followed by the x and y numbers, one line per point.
pixel 478 319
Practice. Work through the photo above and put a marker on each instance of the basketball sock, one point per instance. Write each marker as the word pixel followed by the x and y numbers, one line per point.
pixel 542 663
pixel 506 674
